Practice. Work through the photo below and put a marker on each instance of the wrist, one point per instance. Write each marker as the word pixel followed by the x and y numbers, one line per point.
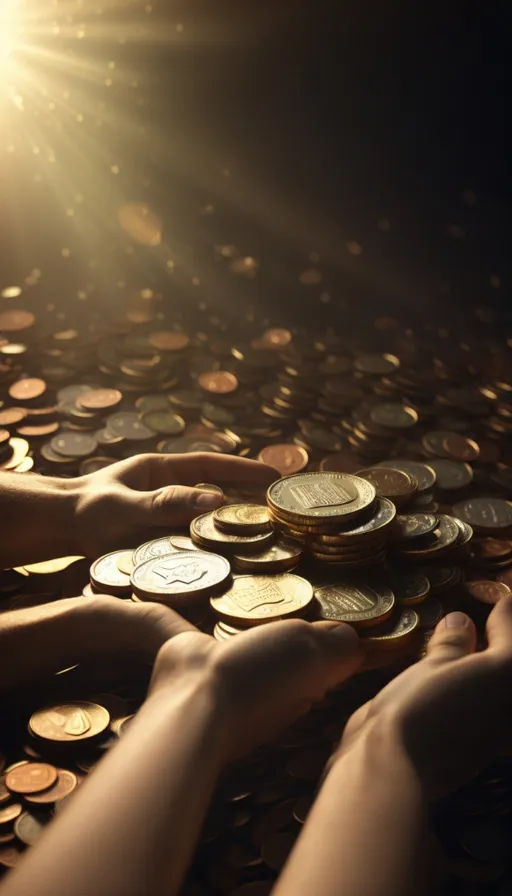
pixel 380 744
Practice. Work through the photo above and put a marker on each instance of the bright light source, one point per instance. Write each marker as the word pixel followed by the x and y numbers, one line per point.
pixel 8 28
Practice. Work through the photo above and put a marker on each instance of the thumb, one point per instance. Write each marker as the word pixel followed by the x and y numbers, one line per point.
pixel 453 638
pixel 177 505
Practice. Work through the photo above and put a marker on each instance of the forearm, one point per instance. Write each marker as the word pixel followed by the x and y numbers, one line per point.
pixel 363 834
pixel 37 519
pixel 132 828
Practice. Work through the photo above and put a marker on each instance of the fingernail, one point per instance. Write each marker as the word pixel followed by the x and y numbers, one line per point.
pixel 456 620
pixel 207 501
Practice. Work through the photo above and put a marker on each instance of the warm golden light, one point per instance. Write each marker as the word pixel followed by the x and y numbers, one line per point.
pixel 8 29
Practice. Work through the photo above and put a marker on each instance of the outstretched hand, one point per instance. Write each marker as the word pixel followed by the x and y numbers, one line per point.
pixel 145 496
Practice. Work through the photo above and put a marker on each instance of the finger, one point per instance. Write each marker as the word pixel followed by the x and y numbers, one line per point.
pixel 499 626
pixel 217 468
pixel 340 649
pixel 177 505
pixel 453 638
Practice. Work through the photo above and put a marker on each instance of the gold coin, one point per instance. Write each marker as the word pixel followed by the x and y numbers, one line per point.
pixel 357 603
pixel 284 554
pixel 69 722
pixel 106 576
pixel 204 532
pixel 125 562
pixel 48 567
pixel 399 632
pixel 320 497
pixel 252 600
pixel 243 519
pixel 209 487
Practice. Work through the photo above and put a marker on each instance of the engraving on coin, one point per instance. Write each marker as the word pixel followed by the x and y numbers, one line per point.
pixel 488 592
pixel 154 548
pixel 414 525
pixel 255 599
pixel 321 495
pixel 485 513
pixel 423 473
pixel 31 778
pixel 180 574
pixel 357 603
pixel 106 575
pixel 204 531
pixel 70 722
pixel 400 630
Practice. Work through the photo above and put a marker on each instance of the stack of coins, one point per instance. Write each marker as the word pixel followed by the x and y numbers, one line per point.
pixel 337 517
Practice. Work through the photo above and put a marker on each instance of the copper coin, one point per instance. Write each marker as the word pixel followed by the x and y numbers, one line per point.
pixel 9 813
pixel 460 448
pixel 99 399
pixel 493 548
pixel 488 592
pixel 505 577
pixel 12 416
pixel 276 338
pixel 31 778
pixel 340 462
pixel 219 382
pixel 65 784
pixel 5 794
pixel 34 432
pixel 8 837
pixel 16 319
pixel 287 458
pixel 27 389
pixel 169 341
pixel 28 828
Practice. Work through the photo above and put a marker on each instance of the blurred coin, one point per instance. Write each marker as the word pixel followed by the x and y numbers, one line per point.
pixel 31 777
pixel 485 515
pixel 205 533
pixel 169 340
pixel 27 389
pixel 10 855
pixel 183 543
pixel 287 458
pixel 430 612
pixel 394 415
pixel 409 588
pixel 164 422
pixel 99 399
pixel 12 416
pixel 218 382
pixel 74 444
pixel 460 448
pixel 450 474
pixel 20 448
pixel 106 576
pixel 154 548
pixel 15 319
pixel 180 576
pixel 252 600
pixel 359 604
pixel 28 828
pixel 487 591
pixel 284 554
pixel 243 519
pixel 69 722
pixel 208 487
pixel 9 813
pixel 93 464
pixel 129 425
pixel 394 484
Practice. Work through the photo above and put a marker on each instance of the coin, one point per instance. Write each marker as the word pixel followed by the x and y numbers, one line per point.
pixel 357 603
pixel 28 828
pixel 129 425
pixel 73 444
pixel 450 474
pixel 9 813
pixel 65 784
pixel 243 519
pixel 10 855
pixel 208 487
pixel 205 533
pixel 31 778
pixel 430 612
pixel 169 340
pixel 422 473
pixel 485 514
pixel 394 484
pixel 401 630
pixel 444 536
pixel 106 575
pixel 99 399
pixel 284 554
pixel 164 422
pixel 219 382
pixel 394 415
pixel 180 576
pixel 460 448
pixel 287 458
pixel 27 389
pixel 154 548
pixel 12 416
pixel 252 600
pixel 487 591
pixel 16 319
pixel 125 562
pixel 376 527
pixel 410 588
pixel 414 525
pixel 321 496
pixel 71 722
pixel 182 543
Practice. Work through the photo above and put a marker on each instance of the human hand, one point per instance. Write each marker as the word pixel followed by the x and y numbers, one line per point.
pixel 263 679
pixel 145 496
pixel 452 711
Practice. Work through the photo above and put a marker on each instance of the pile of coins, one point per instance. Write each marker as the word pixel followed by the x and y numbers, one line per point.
pixel 393 509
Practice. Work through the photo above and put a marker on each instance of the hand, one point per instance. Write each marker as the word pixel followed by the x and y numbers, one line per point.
pixel 265 678
pixel 452 710
pixel 144 497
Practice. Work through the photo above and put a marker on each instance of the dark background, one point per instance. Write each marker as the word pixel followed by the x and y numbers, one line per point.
pixel 330 117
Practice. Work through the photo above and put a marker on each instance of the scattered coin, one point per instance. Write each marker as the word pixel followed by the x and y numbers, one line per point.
pixel 285 458
pixel 243 519
pixel 252 600
pixel 69 722
pixel 357 603
pixel 28 828
pixel 219 382
pixel 31 778
pixel 99 399
pixel 488 592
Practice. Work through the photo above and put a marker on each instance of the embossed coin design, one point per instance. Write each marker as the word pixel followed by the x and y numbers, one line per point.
pixel 205 533
pixel 180 576
pixel 243 519
pixel 70 722
pixel 106 575
pixel 252 600
pixel 321 496
pixel 359 604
